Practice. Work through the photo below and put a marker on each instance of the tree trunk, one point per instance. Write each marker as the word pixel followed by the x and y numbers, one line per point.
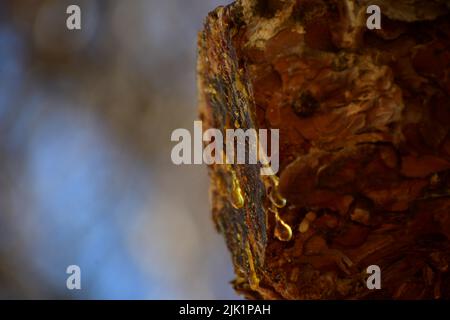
pixel 364 121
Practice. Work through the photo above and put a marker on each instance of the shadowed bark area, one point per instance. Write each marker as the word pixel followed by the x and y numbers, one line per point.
pixel 364 121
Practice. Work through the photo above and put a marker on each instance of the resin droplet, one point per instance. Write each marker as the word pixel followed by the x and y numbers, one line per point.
pixel 237 197
pixel 283 231
pixel 274 195
pixel 253 279
pixel 276 198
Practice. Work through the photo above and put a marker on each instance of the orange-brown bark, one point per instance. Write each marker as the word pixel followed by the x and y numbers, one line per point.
pixel 364 119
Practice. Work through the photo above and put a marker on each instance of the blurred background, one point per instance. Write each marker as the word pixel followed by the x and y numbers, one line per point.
pixel 85 171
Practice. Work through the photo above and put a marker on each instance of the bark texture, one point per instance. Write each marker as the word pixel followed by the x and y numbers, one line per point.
pixel 364 120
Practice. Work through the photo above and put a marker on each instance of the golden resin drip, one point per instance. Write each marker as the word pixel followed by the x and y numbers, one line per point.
pixel 283 231
pixel 237 196
pixel 253 279
pixel 276 198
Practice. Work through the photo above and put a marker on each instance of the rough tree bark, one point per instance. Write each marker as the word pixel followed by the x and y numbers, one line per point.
pixel 364 121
